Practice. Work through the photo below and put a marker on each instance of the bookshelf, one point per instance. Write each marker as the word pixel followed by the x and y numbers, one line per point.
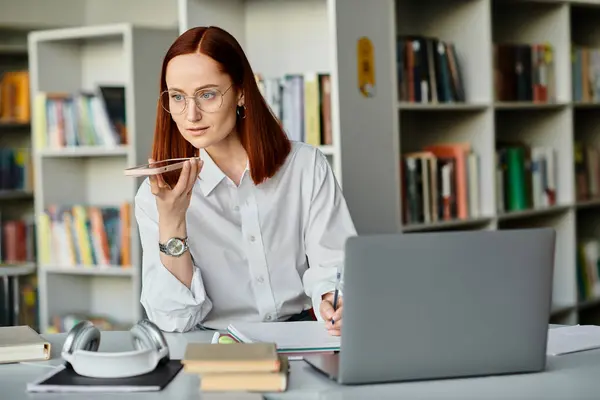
pixel 543 123
pixel 16 187
pixel 290 45
pixel 94 91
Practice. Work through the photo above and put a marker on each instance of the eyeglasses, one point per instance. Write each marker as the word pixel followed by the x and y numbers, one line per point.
pixel 207 100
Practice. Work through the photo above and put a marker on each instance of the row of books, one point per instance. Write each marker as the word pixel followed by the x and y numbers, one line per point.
pixel 524 72
pixel 80 119
pixel 28 302
pixel 587 171
pixel 302 102
pixel 16 169
pixel 440 183
pixel 14 97
pixel 525 177
pixel 585 65
pixel 588 269
pixel 428 70
pixel 85 236
pixel 17 240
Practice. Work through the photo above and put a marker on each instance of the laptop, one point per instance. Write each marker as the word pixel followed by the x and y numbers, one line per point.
pixel 440 305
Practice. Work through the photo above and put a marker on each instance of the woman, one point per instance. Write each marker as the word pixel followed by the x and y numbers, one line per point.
pixel 252 231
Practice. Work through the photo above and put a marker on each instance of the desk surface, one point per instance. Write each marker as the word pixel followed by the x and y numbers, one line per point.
pixel 574 376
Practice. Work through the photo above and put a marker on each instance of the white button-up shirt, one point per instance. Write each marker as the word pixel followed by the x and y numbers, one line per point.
pixel 261 253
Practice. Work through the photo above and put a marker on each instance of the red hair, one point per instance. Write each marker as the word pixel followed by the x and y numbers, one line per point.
pixel 260 132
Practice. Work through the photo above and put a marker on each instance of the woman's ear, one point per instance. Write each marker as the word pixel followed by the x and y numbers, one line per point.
pixel 240 101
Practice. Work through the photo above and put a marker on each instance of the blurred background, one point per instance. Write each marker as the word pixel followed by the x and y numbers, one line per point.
pixel 436 115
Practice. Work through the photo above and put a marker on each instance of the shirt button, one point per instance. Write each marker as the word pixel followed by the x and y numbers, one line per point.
pixel 260 279
pixel 269 317
pixel 236 208
pixel 252 238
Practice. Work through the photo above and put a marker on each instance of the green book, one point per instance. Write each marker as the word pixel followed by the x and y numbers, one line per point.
pixel 516 188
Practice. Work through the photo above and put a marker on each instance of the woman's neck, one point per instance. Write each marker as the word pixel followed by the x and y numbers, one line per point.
pixel 230 156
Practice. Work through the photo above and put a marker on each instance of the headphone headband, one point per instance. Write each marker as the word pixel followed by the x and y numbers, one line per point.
pixel 80 351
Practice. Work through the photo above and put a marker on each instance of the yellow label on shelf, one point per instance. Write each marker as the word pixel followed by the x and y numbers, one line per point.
pixel 366 67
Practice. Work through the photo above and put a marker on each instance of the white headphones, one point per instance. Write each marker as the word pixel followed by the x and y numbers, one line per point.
pixel 80 351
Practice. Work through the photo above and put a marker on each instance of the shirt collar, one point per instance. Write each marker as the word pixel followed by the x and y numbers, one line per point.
pixel 211 175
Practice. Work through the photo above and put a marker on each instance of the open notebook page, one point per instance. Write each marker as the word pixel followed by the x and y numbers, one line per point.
pixel 292 337
pixel 571 339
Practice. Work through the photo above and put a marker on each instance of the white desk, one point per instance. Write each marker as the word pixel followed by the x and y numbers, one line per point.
pixel 574 377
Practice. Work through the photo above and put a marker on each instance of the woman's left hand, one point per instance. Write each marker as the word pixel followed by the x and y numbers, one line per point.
pixel 333 318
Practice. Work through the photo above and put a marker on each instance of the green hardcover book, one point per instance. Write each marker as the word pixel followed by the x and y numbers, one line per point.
pixel 516 188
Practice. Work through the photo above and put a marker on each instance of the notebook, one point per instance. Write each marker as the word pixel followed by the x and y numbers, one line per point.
pixel 571 339
pixel 22 343
pixel 290 337
pixel 63 379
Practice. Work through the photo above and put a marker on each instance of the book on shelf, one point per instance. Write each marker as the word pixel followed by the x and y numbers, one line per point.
pixel 440 183
pixel 80 119
pixel 29 301
pixel 588 269
pixel 85 236
pixel 525 177
pixel 16 169
pixel 587 171
pixel 302 103
pixel 524 72
pixel 585 64
pixel 428 70
pixel 14 97
pixel 17 241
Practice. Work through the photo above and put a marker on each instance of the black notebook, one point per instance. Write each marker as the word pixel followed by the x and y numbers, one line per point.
pixel 64 379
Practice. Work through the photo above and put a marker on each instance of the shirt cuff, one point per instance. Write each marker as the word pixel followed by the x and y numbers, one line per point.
pixel 318 292
pixel 174 307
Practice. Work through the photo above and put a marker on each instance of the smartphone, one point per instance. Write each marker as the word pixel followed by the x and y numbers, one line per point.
pixel 157 167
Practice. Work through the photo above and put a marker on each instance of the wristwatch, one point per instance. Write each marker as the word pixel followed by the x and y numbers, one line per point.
pixel 174 247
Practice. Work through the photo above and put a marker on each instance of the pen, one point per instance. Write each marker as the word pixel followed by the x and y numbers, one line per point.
pixel 336 294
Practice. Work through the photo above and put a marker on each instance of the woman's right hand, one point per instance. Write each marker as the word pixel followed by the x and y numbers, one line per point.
pixel 172 203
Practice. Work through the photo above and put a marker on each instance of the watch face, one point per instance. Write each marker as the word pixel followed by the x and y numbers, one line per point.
pixel 175 246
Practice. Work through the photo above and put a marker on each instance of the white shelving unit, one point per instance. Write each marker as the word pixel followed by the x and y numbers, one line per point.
pixel 372 177
pixel 279 38
pixel 68 61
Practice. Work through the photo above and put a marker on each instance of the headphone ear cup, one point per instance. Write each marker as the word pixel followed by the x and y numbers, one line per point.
pixel 146 335
pixel 82 336
pixel 88 339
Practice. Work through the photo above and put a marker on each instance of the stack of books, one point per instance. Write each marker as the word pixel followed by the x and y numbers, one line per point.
pixel 235 367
